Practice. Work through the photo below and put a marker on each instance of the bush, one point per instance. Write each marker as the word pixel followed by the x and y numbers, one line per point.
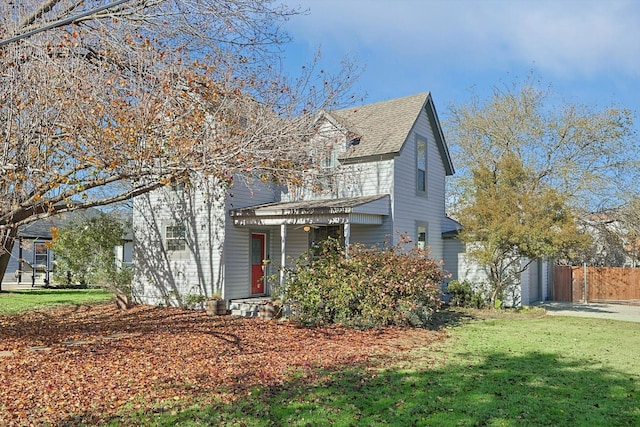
pixel 369 288
pixel 464 294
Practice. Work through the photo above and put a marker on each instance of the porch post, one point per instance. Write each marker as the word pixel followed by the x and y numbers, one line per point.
pixel 347 238
pixel 283 251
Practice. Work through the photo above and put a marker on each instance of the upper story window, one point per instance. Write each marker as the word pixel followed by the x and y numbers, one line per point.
pixel 329 159
pixel 177 187
pixel 421 165
pixel 176 237
pixel 40 253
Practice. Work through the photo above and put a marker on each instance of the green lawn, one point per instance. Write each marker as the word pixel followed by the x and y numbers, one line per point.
pixel 21 300
pixel 512 371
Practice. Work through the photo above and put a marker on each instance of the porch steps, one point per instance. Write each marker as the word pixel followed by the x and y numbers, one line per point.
pixel 247 307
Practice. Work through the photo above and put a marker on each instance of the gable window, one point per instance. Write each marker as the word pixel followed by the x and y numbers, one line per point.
pixel 421 165
pixel 176 237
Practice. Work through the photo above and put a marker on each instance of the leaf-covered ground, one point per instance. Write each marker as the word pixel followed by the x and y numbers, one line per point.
pixel 84 364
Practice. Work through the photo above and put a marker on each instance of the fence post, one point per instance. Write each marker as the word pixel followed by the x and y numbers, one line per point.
pixel 584 271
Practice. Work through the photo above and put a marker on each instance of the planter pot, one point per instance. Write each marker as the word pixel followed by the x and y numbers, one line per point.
pixel 216 307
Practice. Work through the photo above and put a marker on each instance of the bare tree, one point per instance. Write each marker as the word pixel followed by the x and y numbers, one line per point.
pixel 114 99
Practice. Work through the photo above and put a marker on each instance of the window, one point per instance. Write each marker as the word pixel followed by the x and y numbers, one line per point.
pixel 422 236
pixel 320 234
pixel 176 237
pixel 40 254
pixel 177 187
pixel 421 165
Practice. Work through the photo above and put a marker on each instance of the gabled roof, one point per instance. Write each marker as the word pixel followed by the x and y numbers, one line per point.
pixel 383 127
pixel 41 229
pixel 450 227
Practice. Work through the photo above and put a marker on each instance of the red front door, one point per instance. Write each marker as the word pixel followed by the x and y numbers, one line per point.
pixel 257 255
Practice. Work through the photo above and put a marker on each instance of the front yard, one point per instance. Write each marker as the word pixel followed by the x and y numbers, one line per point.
pixel 93 364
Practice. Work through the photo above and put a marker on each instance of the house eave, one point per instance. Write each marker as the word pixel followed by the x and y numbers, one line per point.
pixel 357 210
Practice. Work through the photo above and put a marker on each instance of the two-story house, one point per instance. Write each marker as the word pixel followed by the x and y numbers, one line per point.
pixel 381 173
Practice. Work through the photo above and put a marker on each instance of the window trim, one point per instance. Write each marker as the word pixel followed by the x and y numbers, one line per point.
pixel 422 185
pixel 170 239
pixel 425 225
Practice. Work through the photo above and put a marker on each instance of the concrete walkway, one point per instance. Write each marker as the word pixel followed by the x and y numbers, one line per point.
pixel 13 286
pixel 627 313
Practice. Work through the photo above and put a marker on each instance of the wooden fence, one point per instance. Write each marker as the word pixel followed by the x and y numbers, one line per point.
pixel 602 284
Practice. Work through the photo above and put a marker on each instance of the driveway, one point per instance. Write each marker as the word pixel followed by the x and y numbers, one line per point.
pixel 627 313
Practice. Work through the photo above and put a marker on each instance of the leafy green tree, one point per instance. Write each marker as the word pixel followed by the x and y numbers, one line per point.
pixel 528 165
pixel 510 219
pixel 84 251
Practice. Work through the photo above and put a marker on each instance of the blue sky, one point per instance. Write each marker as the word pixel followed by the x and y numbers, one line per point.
pixel 587 50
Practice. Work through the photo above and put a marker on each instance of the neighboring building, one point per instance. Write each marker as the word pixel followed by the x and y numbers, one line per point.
pixel 535 283
pixel 382 172
pixel 612 243
pixel 32 261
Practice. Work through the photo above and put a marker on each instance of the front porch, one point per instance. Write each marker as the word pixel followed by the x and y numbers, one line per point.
pixel 301 223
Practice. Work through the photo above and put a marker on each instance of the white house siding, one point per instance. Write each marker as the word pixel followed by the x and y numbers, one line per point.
pixel 366 179
pixel 452 250
pixel 371 235
pixel 168 277
pixel 534 283
pixel 409 207
pixel 29 255
pixel 236 261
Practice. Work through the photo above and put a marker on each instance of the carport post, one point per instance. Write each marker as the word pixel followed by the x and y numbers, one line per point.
pixel 283 251
pixel 347 238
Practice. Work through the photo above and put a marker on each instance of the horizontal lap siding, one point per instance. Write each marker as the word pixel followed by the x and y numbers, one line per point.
pixel 366 179
pixel 372 235
pixel 452 250
pixel 411 207
pixel 161 275
pixel 237 268
pixel 12 267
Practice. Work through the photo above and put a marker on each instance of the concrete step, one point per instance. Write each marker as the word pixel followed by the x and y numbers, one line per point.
pixel 247 307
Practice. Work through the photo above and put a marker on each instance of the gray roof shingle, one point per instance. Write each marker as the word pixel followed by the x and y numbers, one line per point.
pixel 383 127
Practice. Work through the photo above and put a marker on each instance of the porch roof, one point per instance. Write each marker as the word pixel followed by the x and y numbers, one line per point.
pixel 353 210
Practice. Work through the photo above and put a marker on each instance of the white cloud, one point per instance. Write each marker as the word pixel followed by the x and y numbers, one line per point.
pixel 563 37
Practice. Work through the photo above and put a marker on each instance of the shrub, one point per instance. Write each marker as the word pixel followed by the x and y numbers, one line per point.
pixel 371 287
pixel 464 294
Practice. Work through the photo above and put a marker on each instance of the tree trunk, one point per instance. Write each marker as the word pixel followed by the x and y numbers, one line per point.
pixel 7 238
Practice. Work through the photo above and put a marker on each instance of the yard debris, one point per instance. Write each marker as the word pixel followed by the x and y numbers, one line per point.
pixel 151 356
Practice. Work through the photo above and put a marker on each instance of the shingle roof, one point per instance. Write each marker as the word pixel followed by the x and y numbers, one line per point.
pixel 383 127
pixel 41 229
